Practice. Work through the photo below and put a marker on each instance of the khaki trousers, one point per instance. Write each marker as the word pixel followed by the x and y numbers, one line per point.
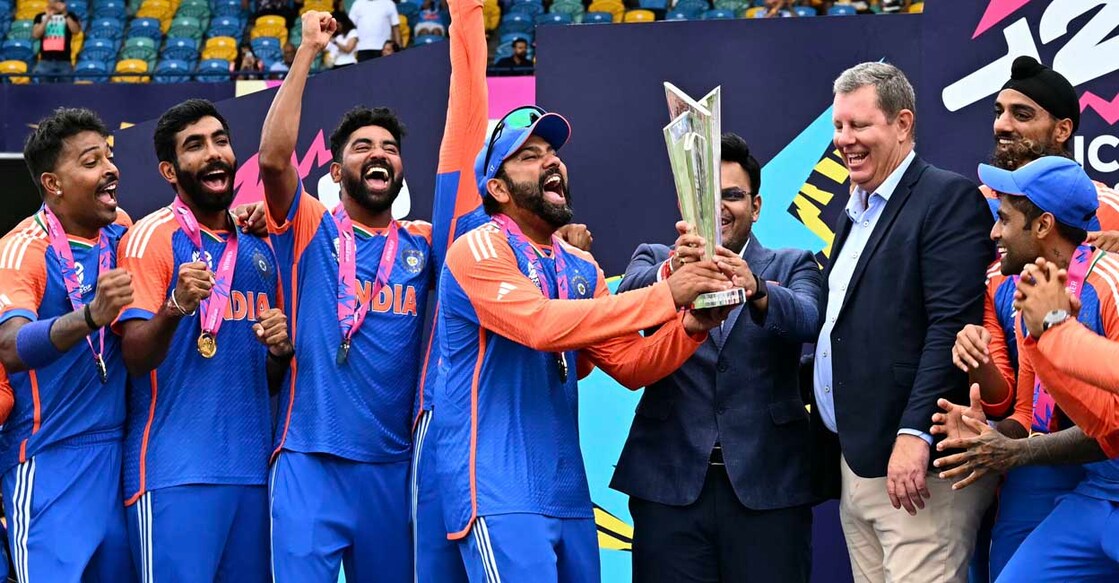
pixel 889 545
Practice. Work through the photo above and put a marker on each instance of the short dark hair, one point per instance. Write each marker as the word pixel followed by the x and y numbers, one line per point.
pixel 360 117
pixel 1034 212
pixel 520 41
pixel 735 150
pixel 175 119
pixel 45 143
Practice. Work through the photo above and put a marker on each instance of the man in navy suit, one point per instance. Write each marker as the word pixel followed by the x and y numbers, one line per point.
pixel 907 272
pixel 717 463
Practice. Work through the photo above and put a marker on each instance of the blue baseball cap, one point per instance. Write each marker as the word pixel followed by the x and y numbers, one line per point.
pixel 552 127
pixel 1056 184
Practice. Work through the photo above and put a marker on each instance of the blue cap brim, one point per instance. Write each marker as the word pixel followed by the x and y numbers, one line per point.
pixel 999 180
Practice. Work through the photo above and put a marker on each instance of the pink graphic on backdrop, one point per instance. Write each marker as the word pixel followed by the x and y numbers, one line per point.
pixel 507 93
pixel 1108 110
pixel 996 11
pixel 250 188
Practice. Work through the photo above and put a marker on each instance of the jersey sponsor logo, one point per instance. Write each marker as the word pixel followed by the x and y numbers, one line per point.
pixel 504 289
pixel 413 261
pixel 399 299
pixel 83 287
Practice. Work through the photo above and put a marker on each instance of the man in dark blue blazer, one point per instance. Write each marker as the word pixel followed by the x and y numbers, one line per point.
pixel 717 463
pixel 906 272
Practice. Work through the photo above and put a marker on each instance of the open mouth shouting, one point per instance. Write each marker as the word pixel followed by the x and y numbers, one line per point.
pixel 377 176
pixel 554 188
pixel 106 193
pixel 217 179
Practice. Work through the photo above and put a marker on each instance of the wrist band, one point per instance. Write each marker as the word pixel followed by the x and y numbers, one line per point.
pixel 34 346
pixel 89 319
pixel 175 304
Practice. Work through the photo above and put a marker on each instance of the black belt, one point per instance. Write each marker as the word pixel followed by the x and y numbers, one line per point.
pixel 716 456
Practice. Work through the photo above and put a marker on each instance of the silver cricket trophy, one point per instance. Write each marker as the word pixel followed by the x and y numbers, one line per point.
pixel 694 140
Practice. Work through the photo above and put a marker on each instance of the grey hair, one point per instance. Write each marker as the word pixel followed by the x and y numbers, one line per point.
pixel 893 89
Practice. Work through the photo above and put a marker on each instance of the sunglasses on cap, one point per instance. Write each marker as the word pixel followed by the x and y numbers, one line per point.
pixel 519 118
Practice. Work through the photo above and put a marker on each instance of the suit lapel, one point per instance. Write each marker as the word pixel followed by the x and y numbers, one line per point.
pixel 884 224
pixel 758 258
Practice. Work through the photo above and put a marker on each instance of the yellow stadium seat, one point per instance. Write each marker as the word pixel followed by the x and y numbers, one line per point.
pixel 275 32
pixel 319 5
pixel 76 46
pixel 160 9
pixel 491 15
pixel 755 12
pixel 15 67
pixel 639 16
pixel 405 31
pixel 612 6
pixel 917 7
pixel 220 47
pixel 131 66
pixel 271 21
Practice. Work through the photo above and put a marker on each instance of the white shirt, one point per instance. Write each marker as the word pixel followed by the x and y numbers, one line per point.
pixel 341 58
pixel 374 20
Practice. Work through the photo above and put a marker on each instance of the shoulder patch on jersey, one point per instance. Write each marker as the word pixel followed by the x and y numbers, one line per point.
pixel 481 245
pixel 140 235
pixel 414 260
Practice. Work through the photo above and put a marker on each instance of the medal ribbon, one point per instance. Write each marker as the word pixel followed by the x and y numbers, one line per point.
pixel 212 307
pixel 61 246
pixel 351 313
pixel 1045 419
pixel 523 247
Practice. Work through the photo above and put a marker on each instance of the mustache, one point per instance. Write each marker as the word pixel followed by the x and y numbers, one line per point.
pixel 378 163
pixel 109 179
pixel 213 166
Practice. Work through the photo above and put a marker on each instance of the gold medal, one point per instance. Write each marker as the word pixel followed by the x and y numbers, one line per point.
pixel 207 346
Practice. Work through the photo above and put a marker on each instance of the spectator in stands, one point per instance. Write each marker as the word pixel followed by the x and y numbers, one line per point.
pixel 377 21
pixel 285 8
pixel 343 47
pixel 430 12
pixel 519 59
pixel 429 28
pixel 54 29
pixel 285 65
pixel 246 61
pixel 779 8
pixel 389 48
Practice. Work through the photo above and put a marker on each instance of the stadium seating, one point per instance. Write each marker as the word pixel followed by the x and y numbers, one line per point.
pixel 842 10
pixel 429 39
pixel 110 9
pixel 598 18
pixel 639 16
pixel 20 29
pixel 93 71
pixel 213 71
pixel 181 49
pixel 139 47
pixel 172 66
pixel 146 27
pixel 553 18
pixel 677 15
pixel 98 49
pixel 614 7
pixel 267 48
pixel 719 15
pixel 14 67
pixel 227 26
pixel 18 49
pixel 131 66
pixel 220 47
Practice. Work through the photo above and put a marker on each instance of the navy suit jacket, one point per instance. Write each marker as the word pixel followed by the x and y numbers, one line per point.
pixel 919 280
pixel 740 388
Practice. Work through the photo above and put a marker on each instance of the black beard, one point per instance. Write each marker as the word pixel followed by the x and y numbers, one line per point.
pixel 530 196
pixel 355 188
pixel 206 202
pixel 1021 151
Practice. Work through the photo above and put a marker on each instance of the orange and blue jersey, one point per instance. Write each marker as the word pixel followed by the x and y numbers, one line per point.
pixel 507 430
pixel 361 409
pixel 998 319
pixel 64 402
pixel 457 206
pixel 196 420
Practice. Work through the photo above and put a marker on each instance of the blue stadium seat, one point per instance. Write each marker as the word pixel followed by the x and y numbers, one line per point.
pixel 181 49
pixel 842 10
pixel 598 18
pixel 719 15
pixel 109 9
pixel 147 27
pixel 428 39
pixel 804 11
pixel 99 49
pixel 530 8
pixel 225 26
pixel 172 66
pixel 18 49
pixel 266 44
pixel 509 37
pixel 693 8
pixel 230 8
pixel 554 18
pixel 677 15
pixel 653 4
pixel 92 66
pixel 79 9
pixel 517 23
pixel 213 71
pixel 109 28
pixel 409 10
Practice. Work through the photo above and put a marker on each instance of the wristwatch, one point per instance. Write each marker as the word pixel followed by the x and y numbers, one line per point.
pixel 1054 318
pixel 760 290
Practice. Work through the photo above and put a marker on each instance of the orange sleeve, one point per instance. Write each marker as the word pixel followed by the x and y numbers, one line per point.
pixel 1108 213
pixel 635 360
pixel 508 303
pixel 303 222
pixel 150 260
pixel 123 219
pixel 468 103
pixel 1000 353
pixel 1074 350
pixel 1024 396
pixel 7 398
pixel 23 272
pixel 421 228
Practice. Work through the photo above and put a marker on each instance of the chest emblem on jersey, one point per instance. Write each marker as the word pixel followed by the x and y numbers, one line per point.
pixel 581 286
pixel 413 261
pixel 204 256
pixel 83 287
pixel 261 263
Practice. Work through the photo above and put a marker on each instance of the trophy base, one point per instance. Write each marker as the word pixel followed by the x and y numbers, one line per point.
pixel 730 297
